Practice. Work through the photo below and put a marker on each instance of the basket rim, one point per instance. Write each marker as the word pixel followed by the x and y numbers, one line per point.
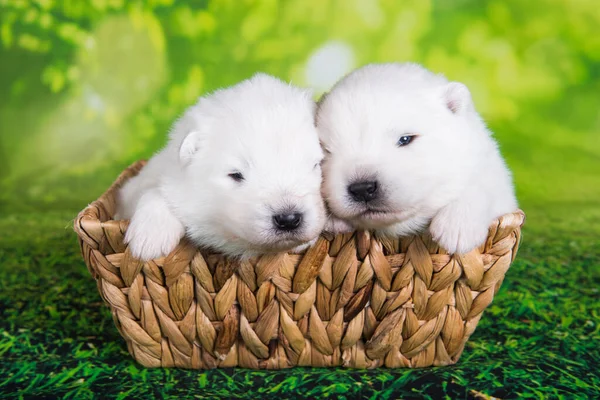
pixel 89 219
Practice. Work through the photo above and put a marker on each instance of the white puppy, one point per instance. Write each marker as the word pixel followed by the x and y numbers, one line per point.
pixel 406 150
pixel 240 175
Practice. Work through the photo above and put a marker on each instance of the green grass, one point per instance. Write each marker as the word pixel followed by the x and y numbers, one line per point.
pixel 539 339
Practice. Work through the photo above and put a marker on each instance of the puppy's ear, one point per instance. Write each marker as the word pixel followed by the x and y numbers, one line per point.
pixel 457 97
pixel 190 146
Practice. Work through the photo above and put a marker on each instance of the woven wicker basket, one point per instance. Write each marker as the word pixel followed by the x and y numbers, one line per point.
pixel 350 300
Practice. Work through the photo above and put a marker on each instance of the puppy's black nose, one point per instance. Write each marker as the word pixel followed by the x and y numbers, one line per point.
pixel 363 191
pixel 287 222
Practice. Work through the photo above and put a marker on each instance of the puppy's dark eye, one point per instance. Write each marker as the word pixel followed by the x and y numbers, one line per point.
pixel 405 140
pixel 236 176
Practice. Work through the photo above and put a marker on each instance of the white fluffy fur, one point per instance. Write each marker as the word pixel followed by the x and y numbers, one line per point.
pixel 262 128
pixel 450 178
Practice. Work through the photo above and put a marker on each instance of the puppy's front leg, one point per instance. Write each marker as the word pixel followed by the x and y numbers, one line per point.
pixel 153 230
pixel 463 224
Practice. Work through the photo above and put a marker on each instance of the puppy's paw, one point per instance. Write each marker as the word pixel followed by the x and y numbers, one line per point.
pixel 150 236
pixel 456 232
pixel 336 225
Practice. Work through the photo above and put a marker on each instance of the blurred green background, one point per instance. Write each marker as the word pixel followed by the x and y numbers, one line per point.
pixel 90 86
pixel 87 87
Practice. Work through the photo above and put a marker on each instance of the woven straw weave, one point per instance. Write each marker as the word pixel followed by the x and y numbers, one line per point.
pixel 350 301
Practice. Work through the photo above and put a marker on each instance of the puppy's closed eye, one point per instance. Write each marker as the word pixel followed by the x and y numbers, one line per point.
pixel 236 176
